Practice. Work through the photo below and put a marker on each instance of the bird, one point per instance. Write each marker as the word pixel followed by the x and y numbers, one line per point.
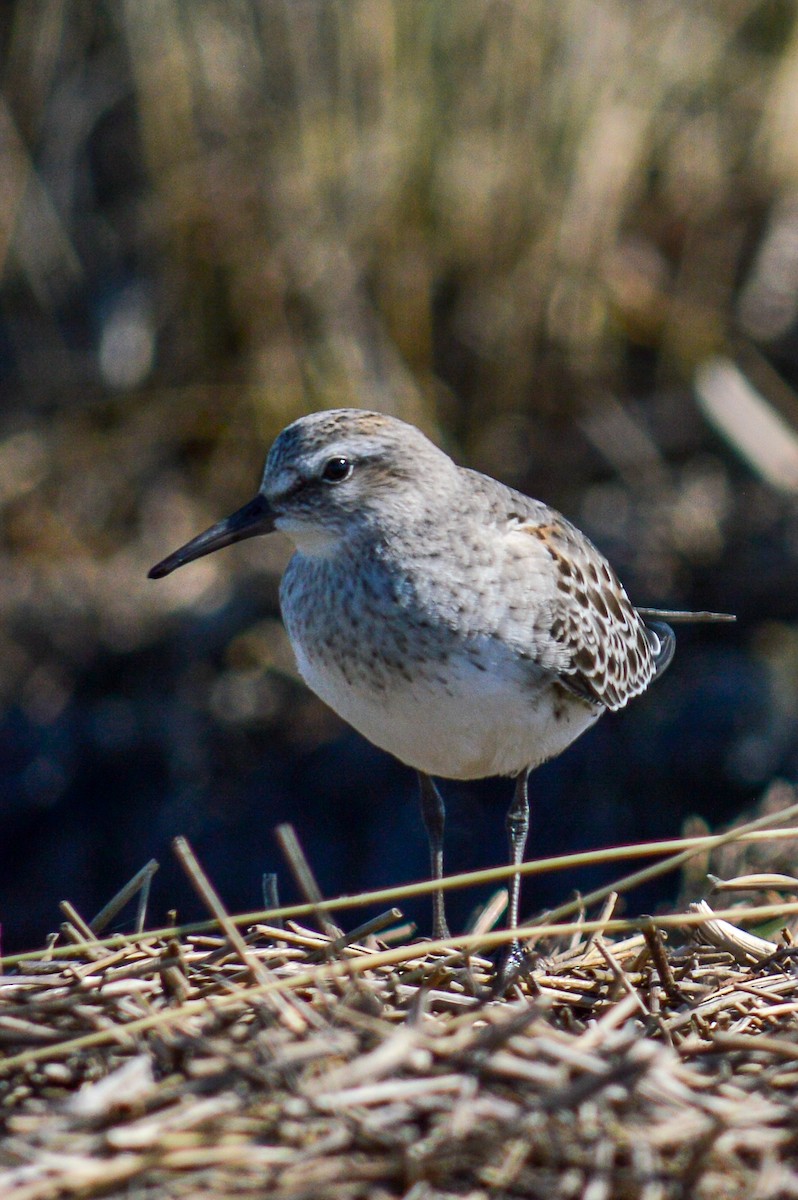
pixel 455 622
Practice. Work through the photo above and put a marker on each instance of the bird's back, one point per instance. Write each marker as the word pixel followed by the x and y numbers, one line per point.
pixel 560 594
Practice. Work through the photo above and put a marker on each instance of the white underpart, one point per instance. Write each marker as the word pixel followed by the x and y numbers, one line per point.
pixel 483 723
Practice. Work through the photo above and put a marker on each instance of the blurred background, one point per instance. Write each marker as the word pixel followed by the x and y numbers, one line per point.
pixel 563 239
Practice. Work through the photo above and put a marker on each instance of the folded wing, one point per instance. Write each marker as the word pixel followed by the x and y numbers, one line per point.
pixel 610 654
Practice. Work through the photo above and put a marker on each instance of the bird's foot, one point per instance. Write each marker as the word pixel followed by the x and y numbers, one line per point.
pixel 440 930
pixel 511 964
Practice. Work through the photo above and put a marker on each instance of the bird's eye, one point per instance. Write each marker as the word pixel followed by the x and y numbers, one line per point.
pixel 336 470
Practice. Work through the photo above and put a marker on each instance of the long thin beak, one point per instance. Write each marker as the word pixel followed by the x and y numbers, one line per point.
pixel 253 519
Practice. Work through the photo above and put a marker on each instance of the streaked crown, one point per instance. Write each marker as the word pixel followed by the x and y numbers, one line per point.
pixel 341 467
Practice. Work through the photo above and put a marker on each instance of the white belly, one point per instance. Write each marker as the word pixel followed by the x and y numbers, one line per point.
pixel 476 724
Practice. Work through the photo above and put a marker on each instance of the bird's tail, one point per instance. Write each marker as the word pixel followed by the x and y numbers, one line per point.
pixel 662 637
pixel 662 640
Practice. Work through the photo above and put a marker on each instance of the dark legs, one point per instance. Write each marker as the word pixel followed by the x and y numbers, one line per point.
pixel 434 815
pixel 517 825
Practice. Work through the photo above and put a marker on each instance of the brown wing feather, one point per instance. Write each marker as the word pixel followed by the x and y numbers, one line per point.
pixel 608 647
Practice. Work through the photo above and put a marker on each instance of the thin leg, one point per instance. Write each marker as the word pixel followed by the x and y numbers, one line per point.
pixel 517 830
pixel 434 815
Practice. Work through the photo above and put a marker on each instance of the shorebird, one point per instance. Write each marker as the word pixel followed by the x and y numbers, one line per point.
pixel 458 624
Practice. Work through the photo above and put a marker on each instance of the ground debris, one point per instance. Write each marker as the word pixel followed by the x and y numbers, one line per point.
pixel 617 1068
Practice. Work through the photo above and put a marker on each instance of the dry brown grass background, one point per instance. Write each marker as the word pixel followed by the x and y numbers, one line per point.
pixel 523 226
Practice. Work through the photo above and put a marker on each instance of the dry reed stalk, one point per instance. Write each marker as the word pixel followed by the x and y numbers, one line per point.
pixel 620 1067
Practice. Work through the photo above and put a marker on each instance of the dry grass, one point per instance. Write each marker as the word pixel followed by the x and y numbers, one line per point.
pixel 292 1063
pixel 477 216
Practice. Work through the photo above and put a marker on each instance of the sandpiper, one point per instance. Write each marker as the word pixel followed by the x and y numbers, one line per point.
pixel 458 624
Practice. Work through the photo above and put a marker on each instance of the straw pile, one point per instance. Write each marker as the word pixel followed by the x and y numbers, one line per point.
pixel 286 1062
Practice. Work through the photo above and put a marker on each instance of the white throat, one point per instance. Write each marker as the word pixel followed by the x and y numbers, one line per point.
pixel 315 541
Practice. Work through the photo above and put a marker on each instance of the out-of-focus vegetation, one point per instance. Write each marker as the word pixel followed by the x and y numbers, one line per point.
pixel 527 227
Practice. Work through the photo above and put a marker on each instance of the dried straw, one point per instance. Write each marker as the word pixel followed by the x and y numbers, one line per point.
pixel 290 1062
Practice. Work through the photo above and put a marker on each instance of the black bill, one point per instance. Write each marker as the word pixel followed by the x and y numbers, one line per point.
pixel 252 520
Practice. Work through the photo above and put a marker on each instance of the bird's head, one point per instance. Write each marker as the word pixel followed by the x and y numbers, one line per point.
pixel 329 476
